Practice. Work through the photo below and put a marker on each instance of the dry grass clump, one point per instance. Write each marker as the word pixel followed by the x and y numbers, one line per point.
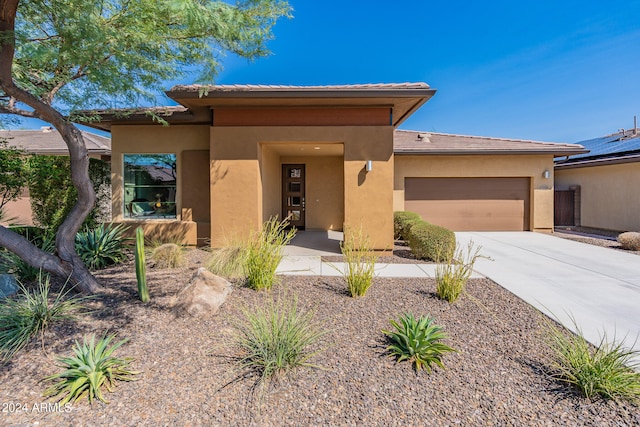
pixel 630 240
pixel 168 255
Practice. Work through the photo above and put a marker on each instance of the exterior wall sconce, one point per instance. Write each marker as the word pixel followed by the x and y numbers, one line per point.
pixel 368 166
pixel 546 174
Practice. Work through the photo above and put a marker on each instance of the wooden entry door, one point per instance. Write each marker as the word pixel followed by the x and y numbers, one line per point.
pixel 293 195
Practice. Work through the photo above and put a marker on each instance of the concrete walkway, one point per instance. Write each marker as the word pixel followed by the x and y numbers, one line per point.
pixel 303 257
pixel 598 287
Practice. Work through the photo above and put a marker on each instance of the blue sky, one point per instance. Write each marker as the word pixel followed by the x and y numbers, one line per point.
pixel 548 70
pixel 560 71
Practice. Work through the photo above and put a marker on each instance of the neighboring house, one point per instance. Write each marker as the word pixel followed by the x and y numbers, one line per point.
pixel 46 141
pixel 599 189
pixel 324 156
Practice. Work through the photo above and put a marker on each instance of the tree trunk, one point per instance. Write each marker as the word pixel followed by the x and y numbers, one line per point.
pixel 66 263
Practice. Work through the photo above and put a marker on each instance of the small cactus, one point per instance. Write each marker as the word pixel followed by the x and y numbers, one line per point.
pixel 141 269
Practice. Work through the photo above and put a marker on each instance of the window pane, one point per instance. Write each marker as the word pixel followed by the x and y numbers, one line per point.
pixel 294 201
pixel 294 187
pixel 150 185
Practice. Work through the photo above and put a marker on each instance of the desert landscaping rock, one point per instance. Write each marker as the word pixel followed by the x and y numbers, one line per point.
pixel 8 285
pixel 497 377
pixel 204 295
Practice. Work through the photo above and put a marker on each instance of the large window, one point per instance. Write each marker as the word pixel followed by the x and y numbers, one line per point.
pixel 149 185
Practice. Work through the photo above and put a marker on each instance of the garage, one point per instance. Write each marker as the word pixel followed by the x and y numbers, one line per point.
pixel 471 204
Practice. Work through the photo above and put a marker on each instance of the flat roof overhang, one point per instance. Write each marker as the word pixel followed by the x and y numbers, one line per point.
pixel 402 99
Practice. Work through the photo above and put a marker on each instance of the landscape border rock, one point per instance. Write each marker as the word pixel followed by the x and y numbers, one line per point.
pixel 204 294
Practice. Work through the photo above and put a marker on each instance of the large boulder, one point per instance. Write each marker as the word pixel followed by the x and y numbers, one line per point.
pixel 204 294
pixel 8 285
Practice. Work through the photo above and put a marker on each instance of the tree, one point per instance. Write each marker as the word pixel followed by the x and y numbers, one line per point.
pixel 60 55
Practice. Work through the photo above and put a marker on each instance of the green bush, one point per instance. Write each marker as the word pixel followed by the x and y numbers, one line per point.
pixel 610 371
pixel 31 313
pixel 102 246
pixel 429 241
pixel 264 253
pixel 418 341
pixel 276 338
pixel 360 261
pixel 91 367
pixel 53 194
pixel 452 275
pixel 402 223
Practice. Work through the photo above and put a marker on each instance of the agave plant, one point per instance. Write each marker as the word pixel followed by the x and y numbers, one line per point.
pixel 418 341
pixel 92 367
pixel 102 246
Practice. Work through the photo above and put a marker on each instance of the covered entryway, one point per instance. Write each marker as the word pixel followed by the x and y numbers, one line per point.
pixel 471 204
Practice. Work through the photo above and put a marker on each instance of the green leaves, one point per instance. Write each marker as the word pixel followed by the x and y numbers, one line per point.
pixel 360 261
pixel 418 341
pixel 88 53
pixel 264 253
pixel 609 371
pixel 276 338
pixel 92 367
pixel 30 314
pixel 102 246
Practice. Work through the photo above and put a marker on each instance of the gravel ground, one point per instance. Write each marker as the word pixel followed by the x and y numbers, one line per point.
pixel 497 377
pixel 401 255
pixel 591 237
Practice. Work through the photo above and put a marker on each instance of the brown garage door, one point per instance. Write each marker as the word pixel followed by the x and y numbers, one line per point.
pixel 470 204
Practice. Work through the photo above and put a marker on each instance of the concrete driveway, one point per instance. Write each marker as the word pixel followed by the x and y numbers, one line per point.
pixel 599 287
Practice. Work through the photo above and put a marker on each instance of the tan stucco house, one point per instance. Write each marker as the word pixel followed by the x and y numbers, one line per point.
pixel 324 156
pixel 599 189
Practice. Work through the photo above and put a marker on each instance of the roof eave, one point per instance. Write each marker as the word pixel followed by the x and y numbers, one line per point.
pixel 633 158
pixel 555 153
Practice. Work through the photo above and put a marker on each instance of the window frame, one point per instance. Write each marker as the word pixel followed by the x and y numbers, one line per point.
pixel 156 199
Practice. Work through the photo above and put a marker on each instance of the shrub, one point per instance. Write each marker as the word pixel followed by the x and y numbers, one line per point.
pixel 31 313
pixel 360 261
pixel 168 255
pixel 453 274
pixel 276 338
pixel 402 223
pixel 629 241
pixel 102 246
pixel 12 264
pixel 418 341
pixel 264 253
pixel 53 194
pixel 229 261
pixel 428 241
pixel 91 367
pixel 608 371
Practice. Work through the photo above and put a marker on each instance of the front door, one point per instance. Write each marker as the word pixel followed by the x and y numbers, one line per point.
pixel 293 195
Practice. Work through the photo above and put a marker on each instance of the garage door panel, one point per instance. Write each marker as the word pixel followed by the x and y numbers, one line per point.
pixel 470 204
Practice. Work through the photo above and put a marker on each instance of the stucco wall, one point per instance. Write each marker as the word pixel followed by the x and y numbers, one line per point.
pixel 126 139
pixel 531 166
pixel 610 198
pixel 238 202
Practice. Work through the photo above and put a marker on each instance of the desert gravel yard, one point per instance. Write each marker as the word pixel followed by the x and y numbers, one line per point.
pixel 497 377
